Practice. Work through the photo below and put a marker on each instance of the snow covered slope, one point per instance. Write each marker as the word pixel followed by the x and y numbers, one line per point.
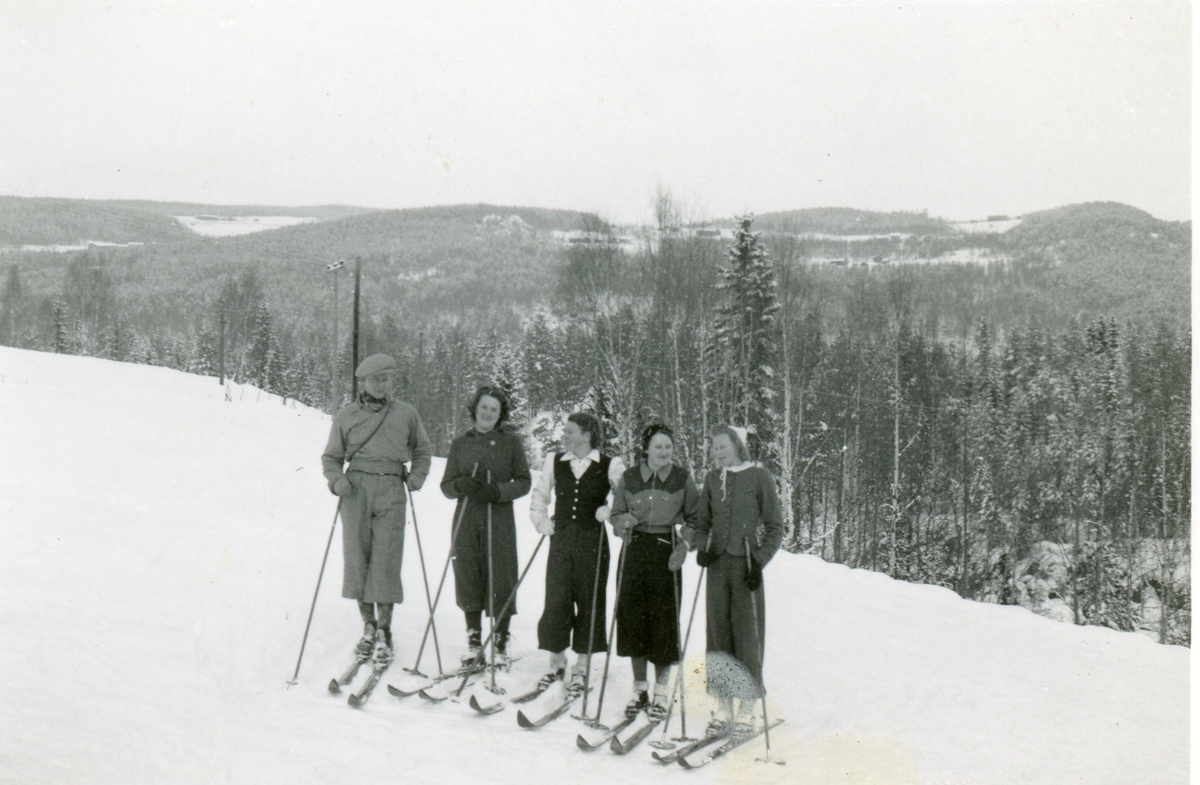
pixel 158 551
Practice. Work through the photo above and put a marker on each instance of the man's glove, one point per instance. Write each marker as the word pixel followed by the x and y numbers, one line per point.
pixel 413 483
pixel 754 576
pixel 677 556
pixel 342 487
pixel 706 558
pixel 623 524
pixel 545 526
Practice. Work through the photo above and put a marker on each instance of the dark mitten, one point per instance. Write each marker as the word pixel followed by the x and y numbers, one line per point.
pixel 464 485
pixel 754 576
pixel 705 558
pixel 488 492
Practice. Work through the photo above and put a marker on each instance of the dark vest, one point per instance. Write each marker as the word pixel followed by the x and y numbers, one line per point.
pixel 578 500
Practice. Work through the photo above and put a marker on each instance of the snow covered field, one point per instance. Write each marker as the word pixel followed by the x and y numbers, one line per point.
pixel 158 550
pixel 239 224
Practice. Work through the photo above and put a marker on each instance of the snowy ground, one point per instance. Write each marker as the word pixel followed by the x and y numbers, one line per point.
pixel 158 550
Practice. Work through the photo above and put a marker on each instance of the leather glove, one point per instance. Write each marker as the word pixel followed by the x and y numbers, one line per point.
pixel 342 487
pixel 623 524
pixel 754 576
pixel 677 556
pixel 705 558
pixel 545 526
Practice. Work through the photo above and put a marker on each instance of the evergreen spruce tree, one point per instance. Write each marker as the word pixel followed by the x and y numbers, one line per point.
pixel 260 353
pixel 62 328
pixel 11 308
pixel 745 333
pixel 206 359
pixel 505 370
pixel 542 358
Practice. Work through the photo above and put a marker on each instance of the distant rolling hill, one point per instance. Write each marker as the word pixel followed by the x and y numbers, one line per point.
pixel 32 221
pixel 846 221
pixel 486 265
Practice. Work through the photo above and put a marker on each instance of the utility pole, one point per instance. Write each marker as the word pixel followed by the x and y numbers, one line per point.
pixel 354 350
pixel 420 367
pixel 333 351
pixel 221 350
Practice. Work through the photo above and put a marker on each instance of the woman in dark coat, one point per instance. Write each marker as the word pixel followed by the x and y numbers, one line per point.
pixel 652 499
pixel 739 527
pixel 486 468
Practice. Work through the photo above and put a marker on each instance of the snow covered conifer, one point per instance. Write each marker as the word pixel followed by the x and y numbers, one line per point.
pixel 745 331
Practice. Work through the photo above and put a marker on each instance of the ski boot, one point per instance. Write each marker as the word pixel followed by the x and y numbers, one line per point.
pixel 641 701
pixel 474 639
pixel 551 677
pixel 503 660
pixel 576 687
pixel 366 644
pixel 718 724
pixel 383 647
pixel 659 708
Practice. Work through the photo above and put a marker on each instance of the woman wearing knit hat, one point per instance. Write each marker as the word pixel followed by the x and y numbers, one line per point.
pixel 738 500
pixel 652 499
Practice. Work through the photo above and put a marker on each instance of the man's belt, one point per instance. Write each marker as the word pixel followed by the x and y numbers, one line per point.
pixel 376 466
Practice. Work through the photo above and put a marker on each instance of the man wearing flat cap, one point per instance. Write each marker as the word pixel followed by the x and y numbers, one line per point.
pixel 370 443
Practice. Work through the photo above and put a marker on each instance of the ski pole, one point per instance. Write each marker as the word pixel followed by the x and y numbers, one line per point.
pixel 679 685
pixel 320 575
pixel 662 743
pixel 587 677
pixel 462 510
pixel 759 651
pixel 491 590
pixel 612 627
pixel 507 603
pixel 425 578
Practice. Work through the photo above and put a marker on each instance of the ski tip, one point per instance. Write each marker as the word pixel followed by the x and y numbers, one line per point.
pixel 394 691
pixel 524 722
pixel 431 698
pixel 615 746
pixel 353 702
pixel 334 687
pixel 477 706
pixel 582 743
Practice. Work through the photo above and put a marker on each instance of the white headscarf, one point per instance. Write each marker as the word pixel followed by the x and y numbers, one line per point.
pixel 742 433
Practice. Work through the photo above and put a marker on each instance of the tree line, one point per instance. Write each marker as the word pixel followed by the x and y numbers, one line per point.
pixel 1017 460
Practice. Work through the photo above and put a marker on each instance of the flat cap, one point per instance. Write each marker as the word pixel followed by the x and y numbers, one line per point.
pixel 376 363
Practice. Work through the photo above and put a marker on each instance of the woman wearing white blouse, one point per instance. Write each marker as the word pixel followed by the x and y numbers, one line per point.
pixel 580 479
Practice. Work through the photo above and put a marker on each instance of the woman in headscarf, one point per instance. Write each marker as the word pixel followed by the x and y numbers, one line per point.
pixel 739 527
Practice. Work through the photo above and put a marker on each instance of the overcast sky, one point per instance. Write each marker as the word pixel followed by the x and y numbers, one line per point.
pixel 964 108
